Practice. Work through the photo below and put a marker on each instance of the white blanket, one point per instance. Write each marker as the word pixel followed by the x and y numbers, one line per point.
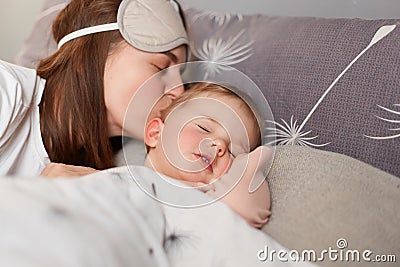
pixel 112 218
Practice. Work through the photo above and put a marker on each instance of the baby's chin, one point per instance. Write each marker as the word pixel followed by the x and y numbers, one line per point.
pixel 197 177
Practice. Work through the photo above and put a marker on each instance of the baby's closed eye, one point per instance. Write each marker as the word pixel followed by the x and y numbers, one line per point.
pixel 203 128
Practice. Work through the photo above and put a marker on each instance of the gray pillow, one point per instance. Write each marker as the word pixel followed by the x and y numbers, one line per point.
pixel 320 197
pixel 294 60
pixel 40 43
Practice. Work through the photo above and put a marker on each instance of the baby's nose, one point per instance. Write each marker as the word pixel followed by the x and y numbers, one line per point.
pixel 221 147
pixel 174 85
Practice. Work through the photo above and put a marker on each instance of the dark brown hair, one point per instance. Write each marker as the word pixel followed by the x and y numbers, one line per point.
pixel 73 116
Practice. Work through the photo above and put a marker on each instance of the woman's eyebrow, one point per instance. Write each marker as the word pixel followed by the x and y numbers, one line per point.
pixel 171 55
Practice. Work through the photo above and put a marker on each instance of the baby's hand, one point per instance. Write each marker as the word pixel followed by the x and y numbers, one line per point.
pixel 251 167
pixel 54 170
pixel 257 164
pixel 200 185
pixel 249 196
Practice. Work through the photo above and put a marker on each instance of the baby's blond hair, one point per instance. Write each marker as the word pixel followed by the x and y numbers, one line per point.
pixel 206 89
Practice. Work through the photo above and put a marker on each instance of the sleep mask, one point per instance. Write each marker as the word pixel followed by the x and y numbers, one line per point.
pixel 148 25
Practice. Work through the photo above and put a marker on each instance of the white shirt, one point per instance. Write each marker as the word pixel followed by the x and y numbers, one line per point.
pixel 22 151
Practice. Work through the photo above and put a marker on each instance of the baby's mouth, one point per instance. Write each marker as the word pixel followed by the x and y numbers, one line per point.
pixel 206 162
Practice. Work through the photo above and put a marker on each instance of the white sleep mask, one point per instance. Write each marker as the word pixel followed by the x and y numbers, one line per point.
pixel 148 25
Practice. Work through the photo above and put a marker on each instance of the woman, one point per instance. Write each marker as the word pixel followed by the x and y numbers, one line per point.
pixel 83 90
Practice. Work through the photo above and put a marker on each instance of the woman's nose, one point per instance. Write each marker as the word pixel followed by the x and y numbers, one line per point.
pixel 174 85
pixel 175 92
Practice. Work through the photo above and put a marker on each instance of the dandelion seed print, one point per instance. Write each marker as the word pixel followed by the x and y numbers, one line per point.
pixel 293 134
pixel 396 121
pixel 223 52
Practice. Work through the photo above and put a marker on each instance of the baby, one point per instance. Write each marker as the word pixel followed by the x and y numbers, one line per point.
pixel 209 138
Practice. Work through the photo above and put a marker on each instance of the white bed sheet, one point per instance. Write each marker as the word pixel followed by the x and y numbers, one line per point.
pixel 106 219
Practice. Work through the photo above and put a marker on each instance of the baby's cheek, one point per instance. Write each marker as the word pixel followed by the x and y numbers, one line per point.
pixel 224 167
pixel 189 139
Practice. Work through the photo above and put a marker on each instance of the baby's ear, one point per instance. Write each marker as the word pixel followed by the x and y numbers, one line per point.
pixel 152 132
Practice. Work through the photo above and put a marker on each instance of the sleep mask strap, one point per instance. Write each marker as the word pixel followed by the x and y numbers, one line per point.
pixel 151 5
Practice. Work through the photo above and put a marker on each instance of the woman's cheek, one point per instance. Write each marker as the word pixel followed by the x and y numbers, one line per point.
pixel 186 140
pixel 163 103
pixel 140 107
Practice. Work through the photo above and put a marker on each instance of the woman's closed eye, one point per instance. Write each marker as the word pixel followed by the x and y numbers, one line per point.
pixel 161 64
pixel 159 67
pixel 161 61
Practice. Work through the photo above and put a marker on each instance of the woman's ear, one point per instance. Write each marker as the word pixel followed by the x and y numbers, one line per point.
pixel 152 132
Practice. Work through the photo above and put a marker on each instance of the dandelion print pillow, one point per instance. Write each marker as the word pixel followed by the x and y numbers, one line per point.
pixel 332 84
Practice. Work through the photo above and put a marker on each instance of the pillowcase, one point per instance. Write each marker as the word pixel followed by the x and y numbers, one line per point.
pixel 40 43
pixel 321 198
pixel 294 60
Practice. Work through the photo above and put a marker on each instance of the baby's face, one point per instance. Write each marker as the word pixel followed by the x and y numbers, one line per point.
pixel 201 137
pixel 205 142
